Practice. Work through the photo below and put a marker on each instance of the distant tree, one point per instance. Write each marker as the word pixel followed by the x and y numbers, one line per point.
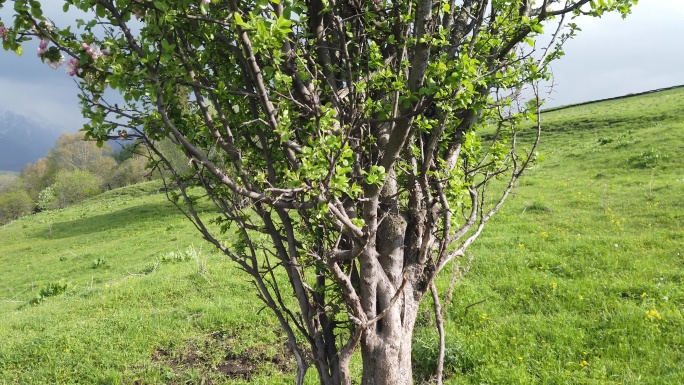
pixel 174 160
pixel 131 171
pixel 366 137
pixel 127 151
pixel 74 186
pixel 6 181
pixel 104 168
pixel 72 152
pixel 14 204
pixel 34 177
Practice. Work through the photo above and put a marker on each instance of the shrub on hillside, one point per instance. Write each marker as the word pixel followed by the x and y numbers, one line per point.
pixel 103 168
pixel 14 204
pixel 47 199
pixel 75 186
pixel 128 172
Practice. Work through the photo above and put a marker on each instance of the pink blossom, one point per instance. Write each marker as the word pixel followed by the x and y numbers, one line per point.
pixel 206 1
pixel 42 47
pixel 4 33
pixel 72 67
pixel 95 53
pixel 55 64
pixel 137 11
pixel 92 50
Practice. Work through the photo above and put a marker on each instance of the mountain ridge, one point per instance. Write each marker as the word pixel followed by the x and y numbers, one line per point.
pixel 23 140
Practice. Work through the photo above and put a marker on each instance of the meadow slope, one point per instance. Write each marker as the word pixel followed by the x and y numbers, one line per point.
pixel 579 280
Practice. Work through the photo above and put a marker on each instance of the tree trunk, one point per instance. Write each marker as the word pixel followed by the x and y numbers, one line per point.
pixel 386 349
pixel 387 292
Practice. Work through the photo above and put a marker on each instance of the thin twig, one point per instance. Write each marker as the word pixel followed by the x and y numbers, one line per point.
pixel 471 305
pixel 439 320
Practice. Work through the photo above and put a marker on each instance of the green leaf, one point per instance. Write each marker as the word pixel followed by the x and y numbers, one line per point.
pixel 239 21
pixel 161 6
pixel 19 49
pixel 36 11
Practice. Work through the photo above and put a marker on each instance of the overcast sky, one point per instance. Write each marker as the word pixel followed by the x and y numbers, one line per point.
pixel 610 57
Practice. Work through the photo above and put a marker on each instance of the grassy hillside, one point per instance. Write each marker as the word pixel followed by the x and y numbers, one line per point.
pixel 121 289
pixel 579 280
pixel 583 271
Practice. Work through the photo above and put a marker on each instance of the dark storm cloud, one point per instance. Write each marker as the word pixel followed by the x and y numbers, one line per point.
pixel 30 88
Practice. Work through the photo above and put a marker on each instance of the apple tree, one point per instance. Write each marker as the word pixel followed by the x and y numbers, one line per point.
pixel 352 149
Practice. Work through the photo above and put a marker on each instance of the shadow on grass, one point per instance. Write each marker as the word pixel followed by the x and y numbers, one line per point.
pixel 110 221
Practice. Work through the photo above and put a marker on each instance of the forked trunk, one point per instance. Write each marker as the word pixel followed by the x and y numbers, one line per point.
pixel 386 349
pixel 387 291
pixel 387 358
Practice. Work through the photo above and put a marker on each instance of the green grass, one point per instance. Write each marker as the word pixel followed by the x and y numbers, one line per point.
pixel 145 299
pixel 582 272
pixel 581 277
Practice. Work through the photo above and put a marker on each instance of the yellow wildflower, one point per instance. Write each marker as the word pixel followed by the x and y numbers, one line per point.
pixel 653 315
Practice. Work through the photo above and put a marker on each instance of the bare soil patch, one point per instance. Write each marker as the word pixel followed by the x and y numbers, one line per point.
pixel 220 356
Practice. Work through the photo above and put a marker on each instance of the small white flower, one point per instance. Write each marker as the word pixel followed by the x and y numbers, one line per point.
pixel 666 298
pixel 55 64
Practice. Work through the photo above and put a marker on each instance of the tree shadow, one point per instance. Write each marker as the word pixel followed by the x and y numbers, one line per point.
pixel 110 221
